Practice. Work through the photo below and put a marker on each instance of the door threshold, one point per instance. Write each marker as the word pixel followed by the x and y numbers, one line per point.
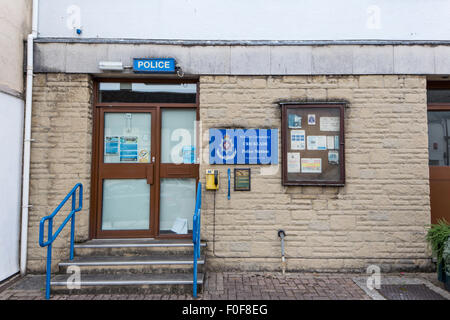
pixel 160 237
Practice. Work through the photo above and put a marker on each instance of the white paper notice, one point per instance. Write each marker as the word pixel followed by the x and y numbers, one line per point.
pixel 311 165
pixel 298 140
pixel 329 123
pixel 180 226
pixel 330 142
pixel 293 162
pixel 317 142
pixel 333 157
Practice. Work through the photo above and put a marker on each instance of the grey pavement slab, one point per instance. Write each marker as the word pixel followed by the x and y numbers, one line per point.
pixel 399 280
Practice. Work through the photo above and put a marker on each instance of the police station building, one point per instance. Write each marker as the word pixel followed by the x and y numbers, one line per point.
pixel 319 124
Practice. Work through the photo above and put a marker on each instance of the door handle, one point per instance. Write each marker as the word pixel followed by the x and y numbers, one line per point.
pixel 150 171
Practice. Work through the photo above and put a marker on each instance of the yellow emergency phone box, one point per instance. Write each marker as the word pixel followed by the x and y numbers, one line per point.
pixel 212 179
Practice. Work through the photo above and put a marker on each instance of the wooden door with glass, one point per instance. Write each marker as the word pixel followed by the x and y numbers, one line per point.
pixel 145 161
pixel 438 95
pixel 126 172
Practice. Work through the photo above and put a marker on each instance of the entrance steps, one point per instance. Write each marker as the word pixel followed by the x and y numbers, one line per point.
pixel 131 266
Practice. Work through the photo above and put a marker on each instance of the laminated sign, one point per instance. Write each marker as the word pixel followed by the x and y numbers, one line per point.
pixel 298 139
pixel 128 149
pixel 311 165
pixel 329 123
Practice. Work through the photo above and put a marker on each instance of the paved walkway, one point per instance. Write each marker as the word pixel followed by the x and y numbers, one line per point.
pixel 271 286
pixel 233 286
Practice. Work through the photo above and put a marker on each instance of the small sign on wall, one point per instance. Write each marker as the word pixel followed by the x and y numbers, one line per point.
pixel 242 179
pixel 160 65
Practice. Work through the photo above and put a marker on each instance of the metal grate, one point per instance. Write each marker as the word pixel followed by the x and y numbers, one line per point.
pixel 409 292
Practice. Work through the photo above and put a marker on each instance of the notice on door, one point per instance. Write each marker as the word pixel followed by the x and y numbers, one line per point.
pixel 111 145
pixel 129 149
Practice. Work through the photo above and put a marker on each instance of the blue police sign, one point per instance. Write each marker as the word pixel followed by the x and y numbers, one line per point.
pixel 162 65
pixel 243 146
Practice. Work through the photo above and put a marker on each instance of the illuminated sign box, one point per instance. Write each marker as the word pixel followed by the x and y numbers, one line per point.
pixel 157 65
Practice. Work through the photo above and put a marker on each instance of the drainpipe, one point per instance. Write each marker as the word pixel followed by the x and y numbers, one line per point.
pixel 27 140
pixel 281 235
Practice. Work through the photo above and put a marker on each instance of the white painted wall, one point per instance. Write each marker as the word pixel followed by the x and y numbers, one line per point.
pixel 11 127
pixel 247 19
pixel 15 16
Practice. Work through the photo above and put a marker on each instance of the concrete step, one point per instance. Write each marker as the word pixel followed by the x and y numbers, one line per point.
pixel 141 283
pixel 156 263
pixel 133 247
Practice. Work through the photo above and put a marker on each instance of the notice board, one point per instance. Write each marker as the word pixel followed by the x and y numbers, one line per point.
pixel 313 144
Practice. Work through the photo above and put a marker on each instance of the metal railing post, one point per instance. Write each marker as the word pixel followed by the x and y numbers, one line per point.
pixel 196 235
pixel 198 231
pixel 51 237
pixel 195 258
pixel 49 260
pixel 72 225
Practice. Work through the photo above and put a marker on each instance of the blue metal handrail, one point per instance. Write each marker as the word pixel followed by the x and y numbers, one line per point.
pixel 51 237
pixel 196 234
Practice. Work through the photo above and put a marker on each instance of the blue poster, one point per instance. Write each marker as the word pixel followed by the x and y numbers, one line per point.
pixel 243 146
pixel 128 149
pixel 111 145
pixel 188 154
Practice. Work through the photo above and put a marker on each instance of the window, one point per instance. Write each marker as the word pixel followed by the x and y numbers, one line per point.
pixel 313 144
pixel 438 133
pixel 147 92
pixel 438 97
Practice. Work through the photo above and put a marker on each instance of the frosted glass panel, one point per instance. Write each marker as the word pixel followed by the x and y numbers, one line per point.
pixel 177 201
pixel 127 137
pixel 126 204
pixel 178 136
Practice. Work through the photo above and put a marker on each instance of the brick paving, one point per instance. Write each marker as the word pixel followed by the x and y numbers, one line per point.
pixel 221 286
pixel 228 286
pixel 269 286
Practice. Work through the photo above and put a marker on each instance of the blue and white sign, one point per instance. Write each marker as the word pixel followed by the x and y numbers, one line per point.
pixel 154 65
pixel 243 146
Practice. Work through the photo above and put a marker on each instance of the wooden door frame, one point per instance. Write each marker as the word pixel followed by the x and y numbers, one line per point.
pixel 437 172
pixel 159 171
pixel 132 171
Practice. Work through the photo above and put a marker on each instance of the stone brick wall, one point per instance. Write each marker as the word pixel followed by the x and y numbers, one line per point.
pixel 379 217
pixel 60 157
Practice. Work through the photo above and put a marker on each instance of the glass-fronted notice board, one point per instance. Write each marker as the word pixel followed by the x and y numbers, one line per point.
pixel 313 144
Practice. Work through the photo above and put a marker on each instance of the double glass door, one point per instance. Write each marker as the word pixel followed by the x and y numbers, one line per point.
pixel 146 172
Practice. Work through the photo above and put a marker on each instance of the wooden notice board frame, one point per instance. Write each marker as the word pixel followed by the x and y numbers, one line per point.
pixel 320 159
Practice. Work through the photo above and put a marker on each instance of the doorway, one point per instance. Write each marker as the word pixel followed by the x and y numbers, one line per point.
pixel 145 159
pixel 438 96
